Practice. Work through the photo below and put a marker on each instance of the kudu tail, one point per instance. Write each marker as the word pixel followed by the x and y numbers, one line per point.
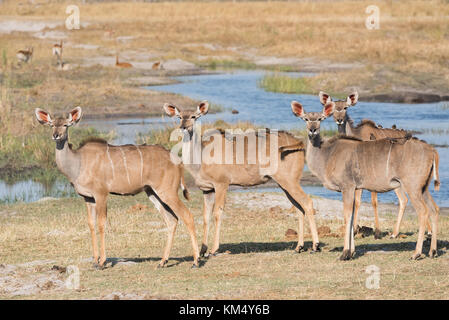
pixel 185 192
pixel 436 175
pixel 285 150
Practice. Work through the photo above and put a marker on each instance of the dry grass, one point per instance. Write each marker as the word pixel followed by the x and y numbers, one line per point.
pixel 261 263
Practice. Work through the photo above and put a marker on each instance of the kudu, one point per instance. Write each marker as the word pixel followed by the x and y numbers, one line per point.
pixel 25 55
pixel 57 51
pixel 215 178
pixel 97 169
pixel 367 130
pixel 122 64
pixel 346 164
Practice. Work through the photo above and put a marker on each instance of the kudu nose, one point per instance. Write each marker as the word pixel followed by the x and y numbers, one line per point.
pixel 55 136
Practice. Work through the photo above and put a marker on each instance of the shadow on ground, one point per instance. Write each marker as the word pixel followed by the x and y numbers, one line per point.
pixel 361 250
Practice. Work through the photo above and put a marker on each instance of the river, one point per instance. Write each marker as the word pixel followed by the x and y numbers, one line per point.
pixel 239 90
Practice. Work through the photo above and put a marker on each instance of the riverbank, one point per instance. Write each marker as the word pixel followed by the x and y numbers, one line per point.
pixel 403 61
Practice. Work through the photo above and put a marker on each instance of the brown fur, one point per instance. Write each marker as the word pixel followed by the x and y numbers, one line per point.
pixel 97 169
pixel 352 165
pixel 367 130
pixel 122 64
pixel 214 179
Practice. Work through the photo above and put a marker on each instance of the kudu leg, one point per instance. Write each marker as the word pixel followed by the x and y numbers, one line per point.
pixel 422 210
pixel 101 211
pixel 91 221
pixel 208 207
pixel 304 204
pixel 374 202
pixel 220 196
pixel 348 211
pixel 171 221
pixel 357 203
pixel 181 211
pixel 434 213
pixel 403 200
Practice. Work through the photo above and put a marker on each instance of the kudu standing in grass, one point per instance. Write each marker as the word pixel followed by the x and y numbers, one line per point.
pixel 97 169
pixel 347 164
pixel 57 51
pixel 367 130
pixel 215 178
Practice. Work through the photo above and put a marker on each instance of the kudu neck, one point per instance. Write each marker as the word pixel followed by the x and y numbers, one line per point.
pixel 67 161
pixel 315 140
pixel 191 150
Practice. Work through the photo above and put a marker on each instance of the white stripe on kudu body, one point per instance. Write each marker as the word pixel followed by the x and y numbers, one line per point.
pixel 125 165
pixel 89 169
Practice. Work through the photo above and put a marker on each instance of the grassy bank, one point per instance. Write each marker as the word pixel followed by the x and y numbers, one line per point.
pixel 260 263
pixel 408 52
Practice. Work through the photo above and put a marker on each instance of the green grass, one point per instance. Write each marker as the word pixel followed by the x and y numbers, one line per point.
pixel 214 64
pixel 286 84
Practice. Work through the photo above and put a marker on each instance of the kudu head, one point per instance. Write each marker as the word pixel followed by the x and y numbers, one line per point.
pixel 59 124
pixel 341 106
pixel 187 118
pixel 313 119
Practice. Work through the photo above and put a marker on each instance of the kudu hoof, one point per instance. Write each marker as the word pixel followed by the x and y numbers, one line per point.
pixel 417 256
pixel 300 249
pixel 433 254
pixel 99 266
pixel 347 255
pixel 203 250
pixel 316 248
pixel 162 264
pixel 377 234
pixel 195 265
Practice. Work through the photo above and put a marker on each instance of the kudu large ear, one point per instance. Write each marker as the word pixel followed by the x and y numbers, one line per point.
pixel 324 98
pixel 298 109
pixel 352 99
pixel 43 116
pixel 171 110
pixel 74 116
pixel 328 109
pixel 202 108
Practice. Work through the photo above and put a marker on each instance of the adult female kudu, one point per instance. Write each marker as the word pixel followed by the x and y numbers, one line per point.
pixel 367 130
pixel 97 169
pixel 215 178
pixel 347 164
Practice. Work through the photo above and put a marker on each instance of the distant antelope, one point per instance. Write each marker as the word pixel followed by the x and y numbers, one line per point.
pixel 57 51
pixel 346 164
pixel 157 65
pixel 367 130
pixel 122 64
pixel 25 55
pixel 214 179
pixel 97 169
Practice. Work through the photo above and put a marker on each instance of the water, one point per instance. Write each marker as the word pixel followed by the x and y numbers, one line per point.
pixel 239 90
